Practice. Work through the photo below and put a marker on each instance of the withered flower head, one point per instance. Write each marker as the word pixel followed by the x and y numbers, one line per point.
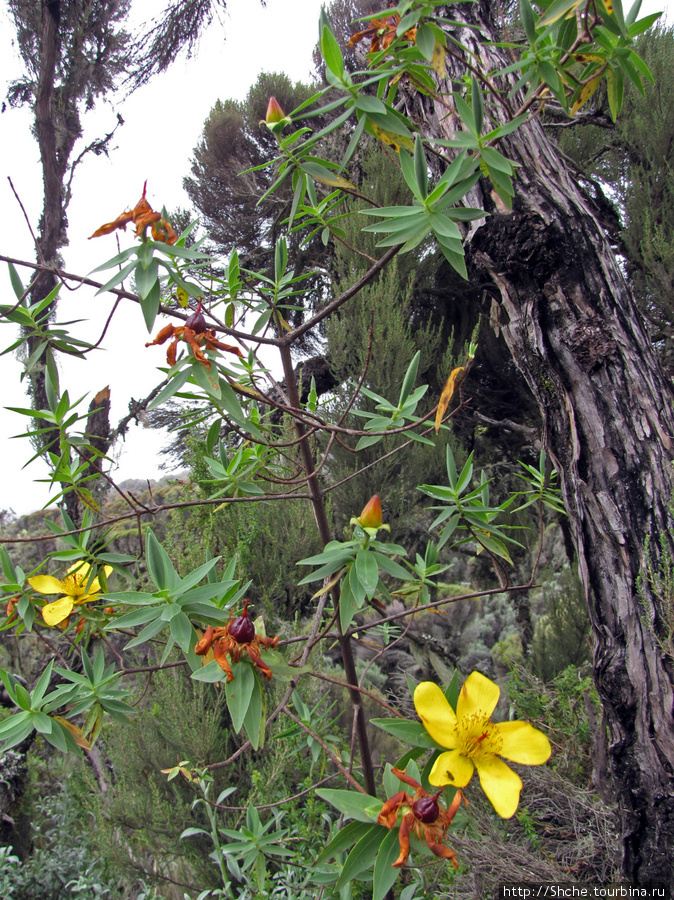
pixel 237 636
pixel 142 216
pixel 381 33
pixel 196 335
pixel 423 815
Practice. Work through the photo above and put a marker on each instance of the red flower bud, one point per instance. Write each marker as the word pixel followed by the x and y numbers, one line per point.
pixel 427 809
pixel 371 515
pixel 242 629
pixel 274 112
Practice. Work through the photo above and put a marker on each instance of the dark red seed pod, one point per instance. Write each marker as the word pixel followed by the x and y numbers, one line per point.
pixel 197 322
pixel 242 629
pixel 427 809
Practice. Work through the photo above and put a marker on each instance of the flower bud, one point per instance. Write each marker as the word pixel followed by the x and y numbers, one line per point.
pixel 242 629
pixel 276 119
pixel 274 112
pixel 371 514
pixel 427 809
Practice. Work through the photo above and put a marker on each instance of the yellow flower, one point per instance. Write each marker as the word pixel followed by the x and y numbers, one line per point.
pixel 75 586
pixel 474 742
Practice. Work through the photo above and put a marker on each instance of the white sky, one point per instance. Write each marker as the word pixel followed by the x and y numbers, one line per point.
pixel 164 121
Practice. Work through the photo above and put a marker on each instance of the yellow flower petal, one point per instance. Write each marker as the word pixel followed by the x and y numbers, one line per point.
pixel 56 612
pixel 46 584
pixel 522 743
pixel 451 768
pixel 478 696
pixel 436 714
pixel 81 569
pixel 501 785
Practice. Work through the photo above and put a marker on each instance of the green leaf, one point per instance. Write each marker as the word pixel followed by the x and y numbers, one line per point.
pixel 150 305
pixel 615 86
pixel 452 690
pixel 367 571
pixel 466 114
pixel 146 277
pixel 15 729
pixel 409 174
pixel 368 441
pixel 254 722
pixel 528 20
pixel 410 378
pixel 363 855
pixel 407 731
pixel 331 53
pixel 345 837
pixel 425 41
pixel 476 99
pixel 138 617
pixel 160 566
pixel 391 567
pixel 385 875
pixel 208 379
pixel 40 688
pixel 420 167
pixel 369 104
pixel 496 160
pixel 354 805
pixel 181 631
pixel 238 693
pixel 210 673
pixel 17 286
pixel 173 386
pixel 348 604
pixel 456 260
pixel 443 227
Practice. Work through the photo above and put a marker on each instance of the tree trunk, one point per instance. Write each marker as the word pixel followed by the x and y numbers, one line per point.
pixel 574 331
pixel 55 151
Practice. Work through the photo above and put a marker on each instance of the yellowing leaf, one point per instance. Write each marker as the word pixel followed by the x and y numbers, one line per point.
pixel 326 587
pixel 609 6
pixel 590 57
pixel 438 60
pixel 281 320
pixel 454 380
pixel 76 732
pixel 87 498
pixel 586 92
pixel 242 389
pixel 396 141
pixel 335 181
pixel 557 11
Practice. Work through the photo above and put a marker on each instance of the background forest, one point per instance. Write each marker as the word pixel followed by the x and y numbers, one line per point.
pixel 108 822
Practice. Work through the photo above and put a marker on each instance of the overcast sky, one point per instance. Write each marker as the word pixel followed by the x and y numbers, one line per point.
pixel 163 123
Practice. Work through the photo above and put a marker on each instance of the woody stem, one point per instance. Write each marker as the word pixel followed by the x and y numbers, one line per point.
pixel 323 526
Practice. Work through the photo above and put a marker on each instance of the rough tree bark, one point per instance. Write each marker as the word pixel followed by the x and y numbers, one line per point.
pixel 574 331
